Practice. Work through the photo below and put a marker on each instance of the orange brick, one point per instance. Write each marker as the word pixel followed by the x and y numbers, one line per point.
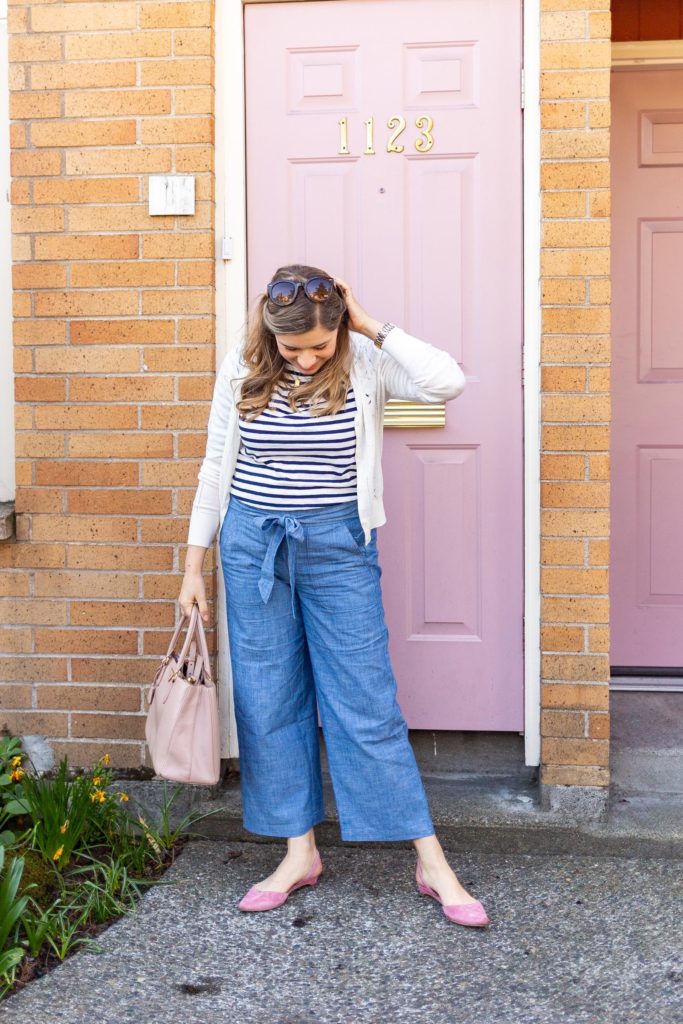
pixel 562 552
pixel 574 751
pixel 599 639
pixel 118 613
pixel 82 74
pixel 13 584
pixel 117 103
pixel 575 174
pixel 176 129
pixel 562 467
pixel 563 723
pixel 558 775
pixel 562 638
pixel 119 501
pixel 44 723
pixel 110 45
pixel 119 557
pixel 16 640
pixel 575 667
pixel 39 389
pixel 67 247
pixel 87 584
pixel 576 54
pixel 575 609
pixel 575 438
pixel 15 697
pixel 135 445
pixel 563 291
pixel 104 641
pixel 573 522
pixel 72 473
pixel 89 698
pixel 83 133
pixel 189 71
pixel 598 552
pixel 15 611
pixel 33 670
pixel 122 332
pixel 82 754
pixel 83 528
pixel 574 581
pixel 599 726
pixel 561 494
pixel 113 670
pixel 575 84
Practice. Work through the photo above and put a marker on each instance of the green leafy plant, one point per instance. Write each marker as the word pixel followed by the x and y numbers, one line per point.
pixel 86 858
pixel 36 925
pixel 11 774
pixel 109 890
pixel 11 909
pixel 64 810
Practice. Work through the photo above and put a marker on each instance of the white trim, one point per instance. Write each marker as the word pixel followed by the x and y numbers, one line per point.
pixel 231 279
pixel 648 53
pixel 231 276
pixel 7 428
pixel 531 171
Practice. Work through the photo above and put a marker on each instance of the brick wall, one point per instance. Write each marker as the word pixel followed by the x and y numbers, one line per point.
pixel 114 362
pixel 575 354
pixel 114 359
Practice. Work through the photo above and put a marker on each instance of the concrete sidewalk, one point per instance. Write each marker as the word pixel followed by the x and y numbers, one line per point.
pixel 585 924
pixel 572 939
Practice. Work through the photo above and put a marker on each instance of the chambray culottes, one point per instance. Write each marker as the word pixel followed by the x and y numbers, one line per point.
pixel 306 630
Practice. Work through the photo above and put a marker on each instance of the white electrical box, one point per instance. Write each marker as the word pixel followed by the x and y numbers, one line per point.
pixel 171 194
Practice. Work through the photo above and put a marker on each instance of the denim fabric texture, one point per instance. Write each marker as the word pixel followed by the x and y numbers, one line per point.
pixel 306 631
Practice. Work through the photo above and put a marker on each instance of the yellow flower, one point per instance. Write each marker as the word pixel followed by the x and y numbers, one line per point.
pixel 96 780
pixel 58 853
pixel 123 796
pixel 98 794
pixel 63 827
pixel 17 774
pixel 16 760
pixel 106 759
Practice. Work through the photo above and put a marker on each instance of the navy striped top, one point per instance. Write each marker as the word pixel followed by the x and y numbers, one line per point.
pixel 294 460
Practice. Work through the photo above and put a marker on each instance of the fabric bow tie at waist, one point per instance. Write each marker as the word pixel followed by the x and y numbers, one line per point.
pixel 282 526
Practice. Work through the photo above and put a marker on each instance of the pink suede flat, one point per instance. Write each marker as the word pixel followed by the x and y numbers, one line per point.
pixel 471 914
pixel 265 899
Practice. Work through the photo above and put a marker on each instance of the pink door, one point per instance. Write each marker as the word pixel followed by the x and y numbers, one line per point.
pixel 384 144
pixel 646 576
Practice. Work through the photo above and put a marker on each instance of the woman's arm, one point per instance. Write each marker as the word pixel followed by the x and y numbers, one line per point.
pixel 205 513
pixel 415 371
pixel 411 370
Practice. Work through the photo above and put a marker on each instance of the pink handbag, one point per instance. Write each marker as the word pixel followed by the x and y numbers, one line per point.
pixel 182 710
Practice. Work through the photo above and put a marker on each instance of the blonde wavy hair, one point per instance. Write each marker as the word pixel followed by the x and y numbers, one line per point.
pixel 328 387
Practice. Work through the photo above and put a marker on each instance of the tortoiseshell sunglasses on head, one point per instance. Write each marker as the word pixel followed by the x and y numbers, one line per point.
pixel 284 292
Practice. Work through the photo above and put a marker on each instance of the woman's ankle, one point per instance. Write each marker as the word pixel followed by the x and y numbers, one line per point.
pixel 302 845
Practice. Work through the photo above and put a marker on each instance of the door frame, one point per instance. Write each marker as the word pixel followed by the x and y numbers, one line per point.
pixel 647 55
pixel 231 308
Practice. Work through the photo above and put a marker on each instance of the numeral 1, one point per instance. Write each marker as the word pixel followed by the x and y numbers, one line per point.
pixel 343 134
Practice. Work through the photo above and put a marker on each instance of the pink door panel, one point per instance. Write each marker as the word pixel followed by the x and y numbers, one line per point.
pixel 430 237
pixel 646 575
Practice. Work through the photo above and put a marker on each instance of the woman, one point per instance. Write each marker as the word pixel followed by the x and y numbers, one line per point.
pixel 292 479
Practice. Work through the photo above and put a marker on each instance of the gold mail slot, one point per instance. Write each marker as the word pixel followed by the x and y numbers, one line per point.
pixel 414 414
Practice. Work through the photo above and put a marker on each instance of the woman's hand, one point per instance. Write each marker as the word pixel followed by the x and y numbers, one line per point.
pixel 359 320
pixel 193 591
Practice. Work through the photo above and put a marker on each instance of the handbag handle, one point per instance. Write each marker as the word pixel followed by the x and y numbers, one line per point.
pixel 195 626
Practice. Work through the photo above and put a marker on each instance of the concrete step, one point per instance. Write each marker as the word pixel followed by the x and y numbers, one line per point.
pixel 490 814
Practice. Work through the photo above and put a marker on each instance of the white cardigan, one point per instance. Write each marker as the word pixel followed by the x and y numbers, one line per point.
pixel 404 368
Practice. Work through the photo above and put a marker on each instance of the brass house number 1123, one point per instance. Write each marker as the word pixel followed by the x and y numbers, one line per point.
pixel 423 143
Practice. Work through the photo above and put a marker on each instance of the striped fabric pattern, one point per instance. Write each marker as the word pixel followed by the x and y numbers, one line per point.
pixel 293 460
